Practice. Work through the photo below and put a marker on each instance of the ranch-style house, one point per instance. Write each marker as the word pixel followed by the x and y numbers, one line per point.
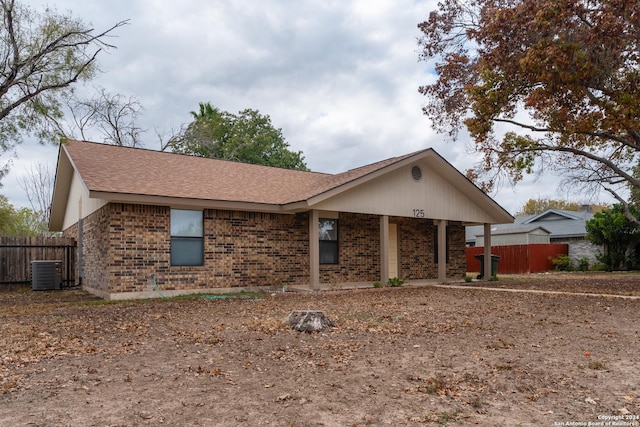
pixel 148 221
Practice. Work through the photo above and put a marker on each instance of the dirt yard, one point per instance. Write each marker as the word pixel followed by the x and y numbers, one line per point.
pixel 397 356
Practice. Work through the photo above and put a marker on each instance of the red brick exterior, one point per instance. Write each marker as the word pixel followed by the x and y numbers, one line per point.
pixel 417 247
pixel 358 250
pixel 124 245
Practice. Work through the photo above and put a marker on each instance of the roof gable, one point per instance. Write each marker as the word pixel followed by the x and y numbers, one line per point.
pixel 553 215
pixel 441 193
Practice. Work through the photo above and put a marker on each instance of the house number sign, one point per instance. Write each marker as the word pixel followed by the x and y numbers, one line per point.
pixel 418 213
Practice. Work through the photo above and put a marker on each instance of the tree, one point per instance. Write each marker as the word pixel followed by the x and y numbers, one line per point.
pixel 38 186
pixel 246 137
pixel 536 206
pixel 42 55
pixel 619 236
pixel 17 223
pixel 112 116
pixel 540 84
pixel 539 205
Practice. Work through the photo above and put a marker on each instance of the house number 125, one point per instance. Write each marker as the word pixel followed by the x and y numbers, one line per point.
pixel 418 213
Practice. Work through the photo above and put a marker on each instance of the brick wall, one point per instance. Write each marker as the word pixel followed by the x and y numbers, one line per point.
pixel 358 250
pixel 416 241
pixel 256 249
pixel 139 246
pixel 125 245
pixel 457 266
pixel 415 246
pixel 95 244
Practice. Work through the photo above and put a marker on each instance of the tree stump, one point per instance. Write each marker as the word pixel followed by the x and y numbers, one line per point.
pixel 308 321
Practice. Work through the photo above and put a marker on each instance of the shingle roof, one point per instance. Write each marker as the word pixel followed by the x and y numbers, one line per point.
pixel 124 170
pixel 513 230
pixel 561 224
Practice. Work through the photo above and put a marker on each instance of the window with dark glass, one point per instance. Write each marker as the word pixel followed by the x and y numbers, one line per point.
pixel 187 241
pixel 328 230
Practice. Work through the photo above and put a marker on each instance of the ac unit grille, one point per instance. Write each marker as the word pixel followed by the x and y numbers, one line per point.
pixel 46 275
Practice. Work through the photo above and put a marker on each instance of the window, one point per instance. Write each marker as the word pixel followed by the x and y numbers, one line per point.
pixel 328 230
pixel 187 246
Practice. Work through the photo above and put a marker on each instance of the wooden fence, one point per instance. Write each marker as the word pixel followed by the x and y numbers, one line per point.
pixel 518 259
pixel 16 254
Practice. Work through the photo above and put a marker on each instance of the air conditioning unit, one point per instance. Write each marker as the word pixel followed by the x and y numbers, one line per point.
pixel 46 275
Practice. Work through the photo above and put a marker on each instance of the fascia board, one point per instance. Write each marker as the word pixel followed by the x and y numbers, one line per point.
pixel 65 170
pixel 185 202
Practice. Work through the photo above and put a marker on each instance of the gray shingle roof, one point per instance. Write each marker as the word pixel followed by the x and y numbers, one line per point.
pixel 560 223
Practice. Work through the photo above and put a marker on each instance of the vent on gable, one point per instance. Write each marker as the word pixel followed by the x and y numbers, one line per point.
pixel 416 173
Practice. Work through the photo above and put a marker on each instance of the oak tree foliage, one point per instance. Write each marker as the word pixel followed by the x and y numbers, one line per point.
pixel 247 137
pixel 540 85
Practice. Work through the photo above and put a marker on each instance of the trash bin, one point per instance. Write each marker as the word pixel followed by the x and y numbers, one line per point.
pixel 495 260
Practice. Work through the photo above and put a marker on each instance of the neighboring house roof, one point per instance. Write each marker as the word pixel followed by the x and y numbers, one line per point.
pixel 514 230
pixel 121 174
pixel 561 224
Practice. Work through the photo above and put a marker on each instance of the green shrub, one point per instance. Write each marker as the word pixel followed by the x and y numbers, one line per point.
pixel 377 285
pixel 395 282
pixel 583 264
pixel 562 262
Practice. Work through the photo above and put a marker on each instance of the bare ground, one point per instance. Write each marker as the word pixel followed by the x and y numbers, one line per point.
pixel 398 356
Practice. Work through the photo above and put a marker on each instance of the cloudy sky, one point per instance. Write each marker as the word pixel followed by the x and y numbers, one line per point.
pixel 340 78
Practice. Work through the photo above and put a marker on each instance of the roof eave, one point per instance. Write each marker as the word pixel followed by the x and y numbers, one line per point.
pixel 181 202
pixel 63 176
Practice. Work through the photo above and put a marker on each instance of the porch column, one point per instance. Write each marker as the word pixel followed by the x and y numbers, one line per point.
pixel 487 252
pixel 442 249
pixel 384 249
pixel 314 250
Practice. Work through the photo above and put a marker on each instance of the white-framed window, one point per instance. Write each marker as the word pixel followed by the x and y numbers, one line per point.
pixel 328 235
pixel 187 237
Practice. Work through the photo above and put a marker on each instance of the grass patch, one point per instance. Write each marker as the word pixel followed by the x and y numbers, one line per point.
pixel 597 365
pixel 444 417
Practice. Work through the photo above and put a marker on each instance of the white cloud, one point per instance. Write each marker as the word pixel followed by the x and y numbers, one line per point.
pixel 340 78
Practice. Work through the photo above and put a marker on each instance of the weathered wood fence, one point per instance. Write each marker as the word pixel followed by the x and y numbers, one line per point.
pixel 16 254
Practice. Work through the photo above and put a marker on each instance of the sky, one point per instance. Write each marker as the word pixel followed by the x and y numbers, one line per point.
pixel 340 78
